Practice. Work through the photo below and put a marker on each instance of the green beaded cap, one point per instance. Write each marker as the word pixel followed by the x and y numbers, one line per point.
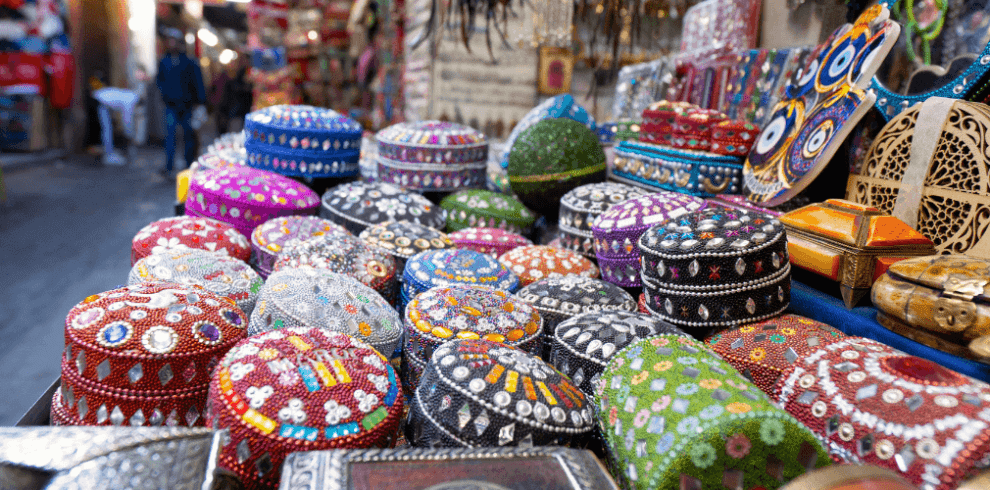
pixel 555 146
pixel 671 412
pixel 481 208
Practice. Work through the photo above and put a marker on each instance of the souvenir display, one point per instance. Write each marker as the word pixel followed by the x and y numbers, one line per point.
pixel 720 25
pixel 245 197
pixel 300 389
pixel 309 297
pixel 413 468
pixel 806 127
pixel 617 230
pixel 684 126
pixel 560 298
pixel 477 393
pixel 537 262
pixel 221 275
pixel 716 268
pixel 484 208
pixel 925 174
pixel 676 416
pixel 432 156
pixel 655 167
pixel 580 207
pixel 186 232
pixel 561 106
pixel 141 355
pixel 358 205
pixel 850 243
pixel 344 254
pixel 640 85
pixel 872 404
pixel 491 241
pixel 762 351
pixel 552 157
pixel 440 268
pixel 939 301
pixel 850 477
pixel 624 131
pixel 302 141
pixel 268 239
pixel 403 239
pixel 454 312
pixel 583 344
pixel 758 75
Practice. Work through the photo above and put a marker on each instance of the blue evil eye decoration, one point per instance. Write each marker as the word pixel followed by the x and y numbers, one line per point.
pixel 838 62
pixel 115 334
pixel 819 130
pixel 870 52
pixel 805 82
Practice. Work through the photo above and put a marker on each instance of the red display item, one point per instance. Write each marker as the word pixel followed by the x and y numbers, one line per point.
pixel 22 71
pixel 871 404
pixel 693 129
pixel 762 351
pixel 659 120
pixel 189 232
pixel 59 415
pixel 491 241
pixel 733 137
pixel 61 82
pixel 300 389
pixel 536 262
pixel 641 305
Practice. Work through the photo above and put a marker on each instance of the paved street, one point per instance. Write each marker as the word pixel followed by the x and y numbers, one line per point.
pixel 65 233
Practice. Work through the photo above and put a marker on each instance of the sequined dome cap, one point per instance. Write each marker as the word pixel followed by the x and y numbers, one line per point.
pixel 491 241
pixel 555 107
pixel 581 206
pixel 141 355
pixel 309 297
pixel 541 261
pixel 432 156
pixel 302 141
pixel 483 208
pixel 477 393
pixel 437 268
pixel 403 239
pixel 270 237
pixel 358 205
pixel 187 232
pixel 300 389
pixel 218 274
pixel 617 229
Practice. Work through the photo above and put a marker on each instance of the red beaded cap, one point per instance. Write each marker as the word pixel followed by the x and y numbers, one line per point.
pixel 189 232
pixel 536 262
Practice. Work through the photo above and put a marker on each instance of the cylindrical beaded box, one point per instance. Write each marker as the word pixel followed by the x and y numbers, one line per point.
pixel 874 405
pixel 762 351
pixel 676 416
pixel 300 389
pixel 358 205
pixel 581 206
pixel 450 267
pixel 141 355
pixel 432 156
pixel 694 172
pixel 617 229
pixel 309 297
pixel 560 298
pixel 245 197
pixel 716 268
pixel 183 232
pixel 477 393
pixel 221 275
pixel 537 262
pixel 270 237
pixel 443 314
pixel 403 239
pixel 302 141
pixel 491 241
pixel 483 208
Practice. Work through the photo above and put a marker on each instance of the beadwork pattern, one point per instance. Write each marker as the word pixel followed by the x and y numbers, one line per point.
pixel 537 262
pixel 432 156
pixel 491 241
pixel 302 141
pixel 187 232
pixel 224 276
pixel 484 208
pixel 581 206
pixel 344 254
pixel 268 239
pixel 358 205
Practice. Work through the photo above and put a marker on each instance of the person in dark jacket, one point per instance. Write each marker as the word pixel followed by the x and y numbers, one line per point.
pixel 180 80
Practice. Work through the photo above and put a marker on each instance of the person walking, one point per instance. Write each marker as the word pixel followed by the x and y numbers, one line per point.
pixel 180 81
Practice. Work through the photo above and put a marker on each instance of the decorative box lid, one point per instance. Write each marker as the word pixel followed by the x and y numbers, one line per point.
pixel 433 135
pixel 227 141
pixel 580 206
pixel 617 229
pixel 953 274
pixel 472 207
pixel 272 235
pixel 555 148
pixel 218 274
pixel 186 232
pixel 221 158
pixel 301 127
pixel 735 137
pixel 309 297
pixel 596 336
pixel 492 241
pixel 536 262
pixel 151 336
pixel 573 295
pixel 359 205
pixel 344 254
pixel 244 188
pixel 472 312
pixel 554 107
pixel 404 239
pixel 856 225
pixel 458 266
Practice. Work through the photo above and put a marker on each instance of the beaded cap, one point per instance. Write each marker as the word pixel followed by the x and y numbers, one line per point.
pixel 555 107
pixel 581 206
pixel 537 262
pixel 268 239
pixel 492 241
pixel 302 141
pixel 344 254
pixel 486 209
pixel 224 276
pixel 358 205
pixel 437 268
pixel 185 232
pixel 432 155
pixel 403 239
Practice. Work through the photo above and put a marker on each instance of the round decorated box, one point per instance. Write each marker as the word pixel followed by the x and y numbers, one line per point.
pixel 617 229
pixel 483 208
pixel 874 405
pixel 270 237
pixel 300 389
pixel 358 205
pixel 674 416
pixel 141 355
pixel 245 197
pixel 403 239
pixel 186 232
pixel 491 241
pixel 477 393
pixel 302 141
pixel 560 298
pixel 716 268
pixel 581 206
pixel 220 158
pixel 537 262
pixel 344 254
pixel 224 276
pixel 432 156
pixel 582 345
pixel 443 314
pixel 449 267
pixel 555 107
pixel 762 351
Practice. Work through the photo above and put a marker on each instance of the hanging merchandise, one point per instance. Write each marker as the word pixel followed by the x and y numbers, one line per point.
pixel 719 26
